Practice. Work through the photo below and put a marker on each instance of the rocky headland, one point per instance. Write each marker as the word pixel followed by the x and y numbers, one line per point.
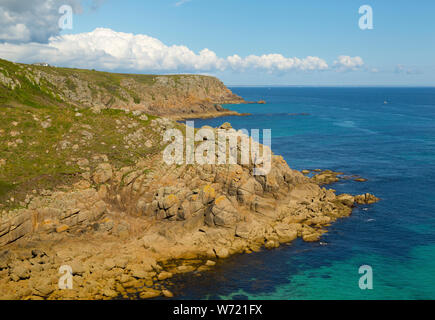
pixel 172 96
pixel 86 187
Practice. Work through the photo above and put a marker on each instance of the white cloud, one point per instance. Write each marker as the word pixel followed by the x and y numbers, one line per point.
pixel 105 49
pixel 347 63
pixel 36 20
pixel 276 62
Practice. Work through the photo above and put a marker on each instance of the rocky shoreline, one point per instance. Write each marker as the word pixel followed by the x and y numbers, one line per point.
pixel 207 115
pixel 85 194
pixel 126 231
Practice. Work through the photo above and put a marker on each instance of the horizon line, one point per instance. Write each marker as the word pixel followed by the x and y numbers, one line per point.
pixel 328 86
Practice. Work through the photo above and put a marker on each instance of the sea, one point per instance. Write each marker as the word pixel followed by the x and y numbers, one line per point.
pixel 386 135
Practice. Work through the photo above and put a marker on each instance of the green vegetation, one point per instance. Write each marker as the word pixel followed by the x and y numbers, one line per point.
pixel 5 188
pixel 34 90
pixel 43 139
pixel 27 92
pixel 51 137
pixel 44 158
pixel 136 99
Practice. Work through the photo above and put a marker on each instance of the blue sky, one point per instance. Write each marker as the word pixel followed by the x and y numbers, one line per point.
pixel 402 29
pixel 400 50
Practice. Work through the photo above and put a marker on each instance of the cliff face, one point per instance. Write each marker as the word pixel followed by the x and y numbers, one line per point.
pixel 85 186
pixel 124 229
pixel 169 95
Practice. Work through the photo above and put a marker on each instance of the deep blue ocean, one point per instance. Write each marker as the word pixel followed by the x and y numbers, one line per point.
pixel 386 135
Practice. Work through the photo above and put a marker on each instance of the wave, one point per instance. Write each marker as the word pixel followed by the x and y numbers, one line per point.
pixel 351 124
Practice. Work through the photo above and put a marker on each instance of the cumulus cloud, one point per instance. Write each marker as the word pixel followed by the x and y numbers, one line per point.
pixel 109 50
pixel 347 63
pixel 105 49
pixel 34 21
pixel 276 62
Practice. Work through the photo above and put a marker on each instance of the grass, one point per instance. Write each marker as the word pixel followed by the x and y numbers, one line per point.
pixel 33 155
pixel 35 159
pixel 5 188
pixel 45 93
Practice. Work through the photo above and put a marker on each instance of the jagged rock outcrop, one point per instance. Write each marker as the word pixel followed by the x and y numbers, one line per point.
pixel 122 228
pixel 53 214
pixel 122 225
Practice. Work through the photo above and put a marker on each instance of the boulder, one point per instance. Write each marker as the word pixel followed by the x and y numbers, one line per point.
pixel 222 214
pixel 225 126
pixel 164 275
pixel 346 199
pixel 148 293
pixel 138 271
pixel 248 189
pixel 366 199
pixel 5 259
pixel 210 263
pixel 286 233
pixel 222 253
pixel 326 177
pixel 311 234
pixel 20 270
pixel 42 287
pixel 167 293
pixel 207 194
pixel 169 201
pixel 103 173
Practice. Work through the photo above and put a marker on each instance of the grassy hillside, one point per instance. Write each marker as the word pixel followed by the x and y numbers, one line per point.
pixel 43 147
pixel 162 95
pixel 48 141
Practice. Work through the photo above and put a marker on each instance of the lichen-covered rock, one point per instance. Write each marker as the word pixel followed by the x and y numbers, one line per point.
pixel 127 233
pixel 222 214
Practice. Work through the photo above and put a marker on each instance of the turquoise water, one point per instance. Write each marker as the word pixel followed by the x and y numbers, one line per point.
pixel 350 130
